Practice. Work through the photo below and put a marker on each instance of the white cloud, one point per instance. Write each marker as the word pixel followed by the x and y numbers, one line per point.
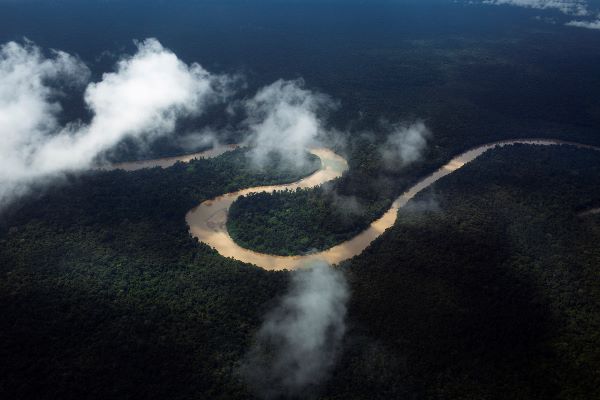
pixel 405 144
pixel 143 98
pixel 578 8
pixel 585 24
pixel 285 118
pixel 194 140
pixel 28 104
pixel 298 342
pixel 571 7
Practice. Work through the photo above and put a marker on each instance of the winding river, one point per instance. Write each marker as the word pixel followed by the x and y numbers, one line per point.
pixel 207 221
pixel 166 162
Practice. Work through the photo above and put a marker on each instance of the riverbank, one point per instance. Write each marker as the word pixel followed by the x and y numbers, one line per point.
pixel 207 222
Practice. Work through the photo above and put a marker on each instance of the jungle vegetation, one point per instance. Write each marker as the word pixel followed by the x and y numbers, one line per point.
pixel 490 291
pixel 295 222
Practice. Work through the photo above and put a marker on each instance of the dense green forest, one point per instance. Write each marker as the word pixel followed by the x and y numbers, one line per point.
pixel 492 293
pixel 487 288
pixel 103 294
pixel 299 222
pixel 294 222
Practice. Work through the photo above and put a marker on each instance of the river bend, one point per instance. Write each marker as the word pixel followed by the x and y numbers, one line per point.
pixel 208 221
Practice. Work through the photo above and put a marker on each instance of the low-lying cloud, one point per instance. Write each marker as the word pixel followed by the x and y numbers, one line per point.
pixel 594 24
pixel 405 144
pixel 299 340
pixel 142 99
pixel 29 105
pixel 570 7
pixel 425 202
pixel 285 118
pixel 199 139
pixel 574 8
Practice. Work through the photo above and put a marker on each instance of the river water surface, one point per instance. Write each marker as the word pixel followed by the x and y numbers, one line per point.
pixel 208 221
pixel 166 162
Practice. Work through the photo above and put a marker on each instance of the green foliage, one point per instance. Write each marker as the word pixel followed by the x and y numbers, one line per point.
pixel 491 294
pixel 489 290
pixel 295 222
pixel 305 220
pixel 103 294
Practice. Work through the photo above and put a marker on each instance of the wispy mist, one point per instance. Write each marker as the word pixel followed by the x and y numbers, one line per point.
pixel 571 7
pixel 586 10
pixel 285 118
pixel 593 24
pixel 405 144
pixel 195 140
pixel 424 202
pixel 142 99
pixel 299 340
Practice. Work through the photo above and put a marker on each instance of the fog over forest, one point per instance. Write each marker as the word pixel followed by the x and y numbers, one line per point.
pixel 299 199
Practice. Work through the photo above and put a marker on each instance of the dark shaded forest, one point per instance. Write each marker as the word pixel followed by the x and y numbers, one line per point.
pixel 103 293
pixel 493 293
pixel 488 289
pixel 289 223
pixel 295 222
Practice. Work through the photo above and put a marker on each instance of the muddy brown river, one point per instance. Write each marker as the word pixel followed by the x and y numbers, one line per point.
pixel 207 221
pixel 169 161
